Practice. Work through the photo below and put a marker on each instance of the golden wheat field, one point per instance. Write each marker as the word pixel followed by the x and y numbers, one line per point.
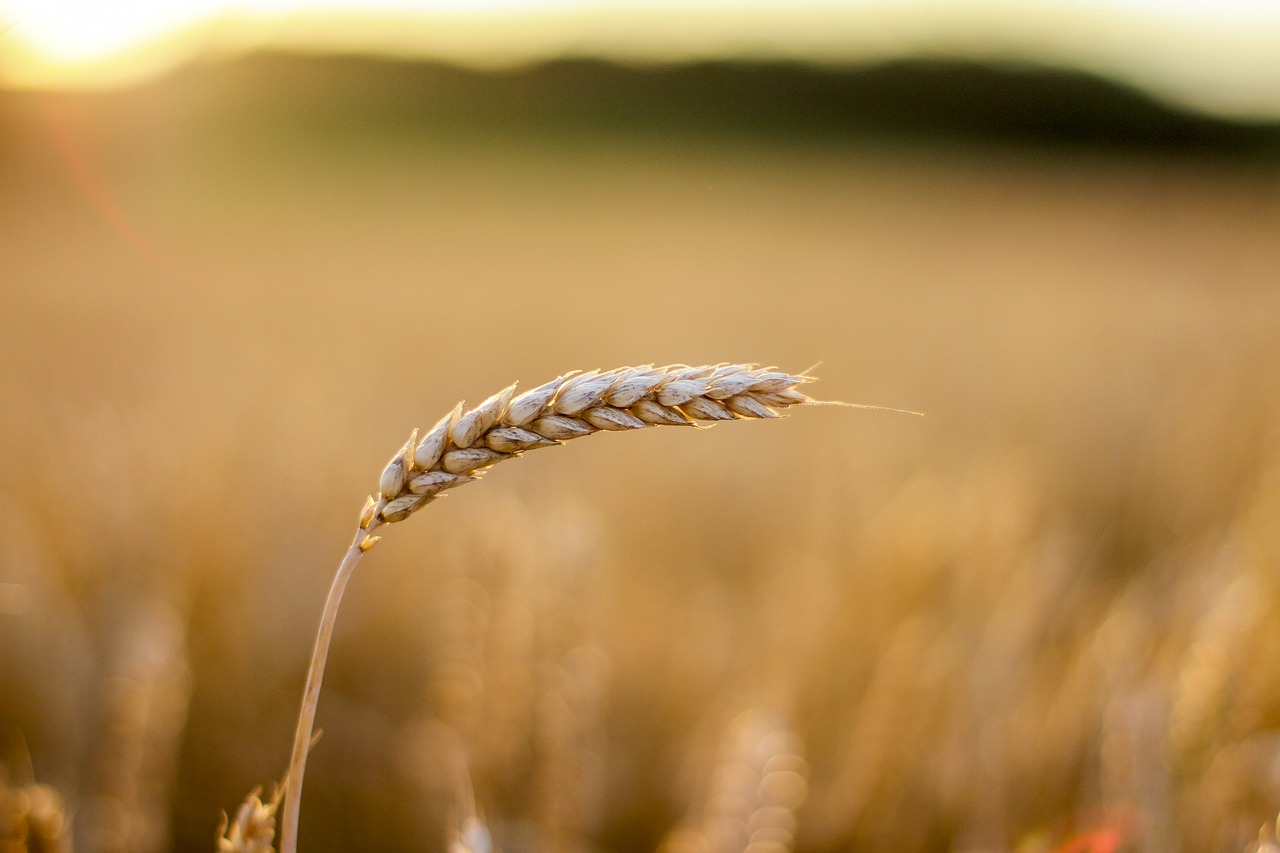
pixel 1043 618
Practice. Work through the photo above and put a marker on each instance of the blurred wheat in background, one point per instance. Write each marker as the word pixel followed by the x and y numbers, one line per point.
pixel 1042 619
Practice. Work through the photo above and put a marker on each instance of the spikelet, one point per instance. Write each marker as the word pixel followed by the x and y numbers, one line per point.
pixel 254 828
pixel 464 444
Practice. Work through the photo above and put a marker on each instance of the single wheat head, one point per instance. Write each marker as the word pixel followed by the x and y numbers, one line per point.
pixel 465 444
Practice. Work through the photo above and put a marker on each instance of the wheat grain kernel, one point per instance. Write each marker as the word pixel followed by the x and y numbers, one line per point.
pixel 680 391
pixel 652 413
pixel 434 482
pixel 706 409
pixel 392 481
pixel 749 407
pixel 515 439
pixel 581 392
pixel 479 420
pixel 631 388
pixel 530 404
pixel 560 428
pixel 604 417
pixel 772 382
pixel 432 446
pixel 466 460
pixel 403 507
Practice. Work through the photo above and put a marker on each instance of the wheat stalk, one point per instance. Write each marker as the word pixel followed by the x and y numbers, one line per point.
pixel 463 445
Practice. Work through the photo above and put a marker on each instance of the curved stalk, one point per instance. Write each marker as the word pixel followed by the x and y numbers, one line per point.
pixel 465 444
pixel 311 693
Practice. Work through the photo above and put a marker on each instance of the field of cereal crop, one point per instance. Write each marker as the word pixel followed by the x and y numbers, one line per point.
pixel 1046 610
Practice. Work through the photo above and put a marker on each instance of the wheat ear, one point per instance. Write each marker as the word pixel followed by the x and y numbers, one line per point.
pixel 463 445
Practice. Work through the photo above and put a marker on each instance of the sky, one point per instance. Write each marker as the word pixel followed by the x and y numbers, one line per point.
pixel 1222 56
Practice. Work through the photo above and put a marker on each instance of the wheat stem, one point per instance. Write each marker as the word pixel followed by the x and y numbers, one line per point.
pixel 311 693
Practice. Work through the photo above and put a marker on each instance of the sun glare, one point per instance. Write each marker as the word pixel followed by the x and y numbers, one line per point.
pixel 74 32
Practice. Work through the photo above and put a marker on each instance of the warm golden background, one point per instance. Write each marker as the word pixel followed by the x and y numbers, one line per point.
pixel 1049 610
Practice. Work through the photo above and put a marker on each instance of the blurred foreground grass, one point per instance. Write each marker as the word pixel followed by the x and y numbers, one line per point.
pixel 1048 608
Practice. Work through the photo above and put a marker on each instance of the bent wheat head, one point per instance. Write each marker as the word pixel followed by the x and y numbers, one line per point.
pixel 465 444
pixel 462 445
